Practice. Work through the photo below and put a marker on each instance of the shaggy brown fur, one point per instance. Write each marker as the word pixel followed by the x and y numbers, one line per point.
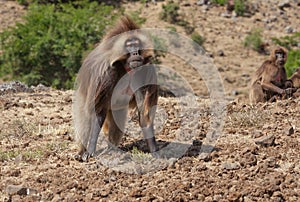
pixel 100 73
pixel 270 78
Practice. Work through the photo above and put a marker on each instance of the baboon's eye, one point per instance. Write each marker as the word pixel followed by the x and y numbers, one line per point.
pixel 133 45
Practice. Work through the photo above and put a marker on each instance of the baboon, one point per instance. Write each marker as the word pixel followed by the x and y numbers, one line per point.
pixel 295 78
pixel 114 76
pixel 270 80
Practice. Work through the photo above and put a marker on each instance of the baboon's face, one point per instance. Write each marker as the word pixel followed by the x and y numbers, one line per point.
pixel 134 48
pixel 280 57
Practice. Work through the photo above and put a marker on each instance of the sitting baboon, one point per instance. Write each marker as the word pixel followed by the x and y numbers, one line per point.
pixel 270 79
pixel 295 78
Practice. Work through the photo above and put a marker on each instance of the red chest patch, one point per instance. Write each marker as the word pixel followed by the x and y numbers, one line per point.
pixel 278 77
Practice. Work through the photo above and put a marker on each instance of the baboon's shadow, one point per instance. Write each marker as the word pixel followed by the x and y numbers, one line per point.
pixel 171 149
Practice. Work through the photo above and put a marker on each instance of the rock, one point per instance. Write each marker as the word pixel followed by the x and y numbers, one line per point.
pixel 270 162
pixel 220 53
pixel 205 8
pixel 289 130
pixel 230 166
pixel 229 80
pixel 268 140
pixel 14 87
pixel 41 87
pixel 257 134
pixel 186 4
pixel 284 4
pixel 289 29
pixel 209 55
pixel 235 92
pixel 226 15
pixel 20 190
pixel 197 143
pixel 202 2
pixel 248 159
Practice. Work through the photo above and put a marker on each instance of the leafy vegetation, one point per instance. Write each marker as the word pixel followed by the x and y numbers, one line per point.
pixel 240 7
pixel 135 16
pixel 220 2
pixel 288 42
pixel 160 48
pixel 170 12
pixel 196 37
pixel 293 61
pixel 254 40
pixel 48 47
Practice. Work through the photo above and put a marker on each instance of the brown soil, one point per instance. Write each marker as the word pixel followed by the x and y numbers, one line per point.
pixel 256 157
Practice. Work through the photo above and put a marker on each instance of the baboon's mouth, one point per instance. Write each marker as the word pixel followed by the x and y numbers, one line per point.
pixel 135 61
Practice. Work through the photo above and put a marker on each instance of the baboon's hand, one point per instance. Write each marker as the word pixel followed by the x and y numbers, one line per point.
pixel 288 91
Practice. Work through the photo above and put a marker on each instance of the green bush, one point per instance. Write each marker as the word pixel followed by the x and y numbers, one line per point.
pixel 220 2
pixel 240 7
pixel 288 41
pixel 196 37
pixel 135 16
pixel 254 41
pixel 170 12
pixel 48 47
pixel 160 48
pixel 293 61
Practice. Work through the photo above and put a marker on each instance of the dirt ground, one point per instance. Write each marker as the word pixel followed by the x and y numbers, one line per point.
pixel 256 156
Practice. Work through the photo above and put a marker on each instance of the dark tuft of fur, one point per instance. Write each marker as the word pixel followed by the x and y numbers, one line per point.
pixel 125 24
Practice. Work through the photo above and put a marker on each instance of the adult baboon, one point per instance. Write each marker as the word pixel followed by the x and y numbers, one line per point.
pixel 116 73
pixel 270 79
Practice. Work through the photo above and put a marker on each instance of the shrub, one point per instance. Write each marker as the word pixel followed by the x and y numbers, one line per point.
pixel 288 41
pixel 254 40
pixel 220 2
pixel 47 48
pixel 160 48
pixel 239 7
pixel 293 60
pixel 172 29
pixel 170 12
pixel 135 16
pixel 196 37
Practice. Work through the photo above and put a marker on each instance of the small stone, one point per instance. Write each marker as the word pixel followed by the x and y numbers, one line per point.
pixel 257 134
pixel 234 92
pixel 289 29
pixel 289 131
pixel 186 4
pixel 226 15
pixel 20 190
pixel 202 2
pixel 268 140
pixel 205 8
pixel 284 4
pixel 220 53
pixel 41 87
pixel 197 143
pixel 230 166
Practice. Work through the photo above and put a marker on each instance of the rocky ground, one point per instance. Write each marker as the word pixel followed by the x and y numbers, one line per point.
pixel 255 158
